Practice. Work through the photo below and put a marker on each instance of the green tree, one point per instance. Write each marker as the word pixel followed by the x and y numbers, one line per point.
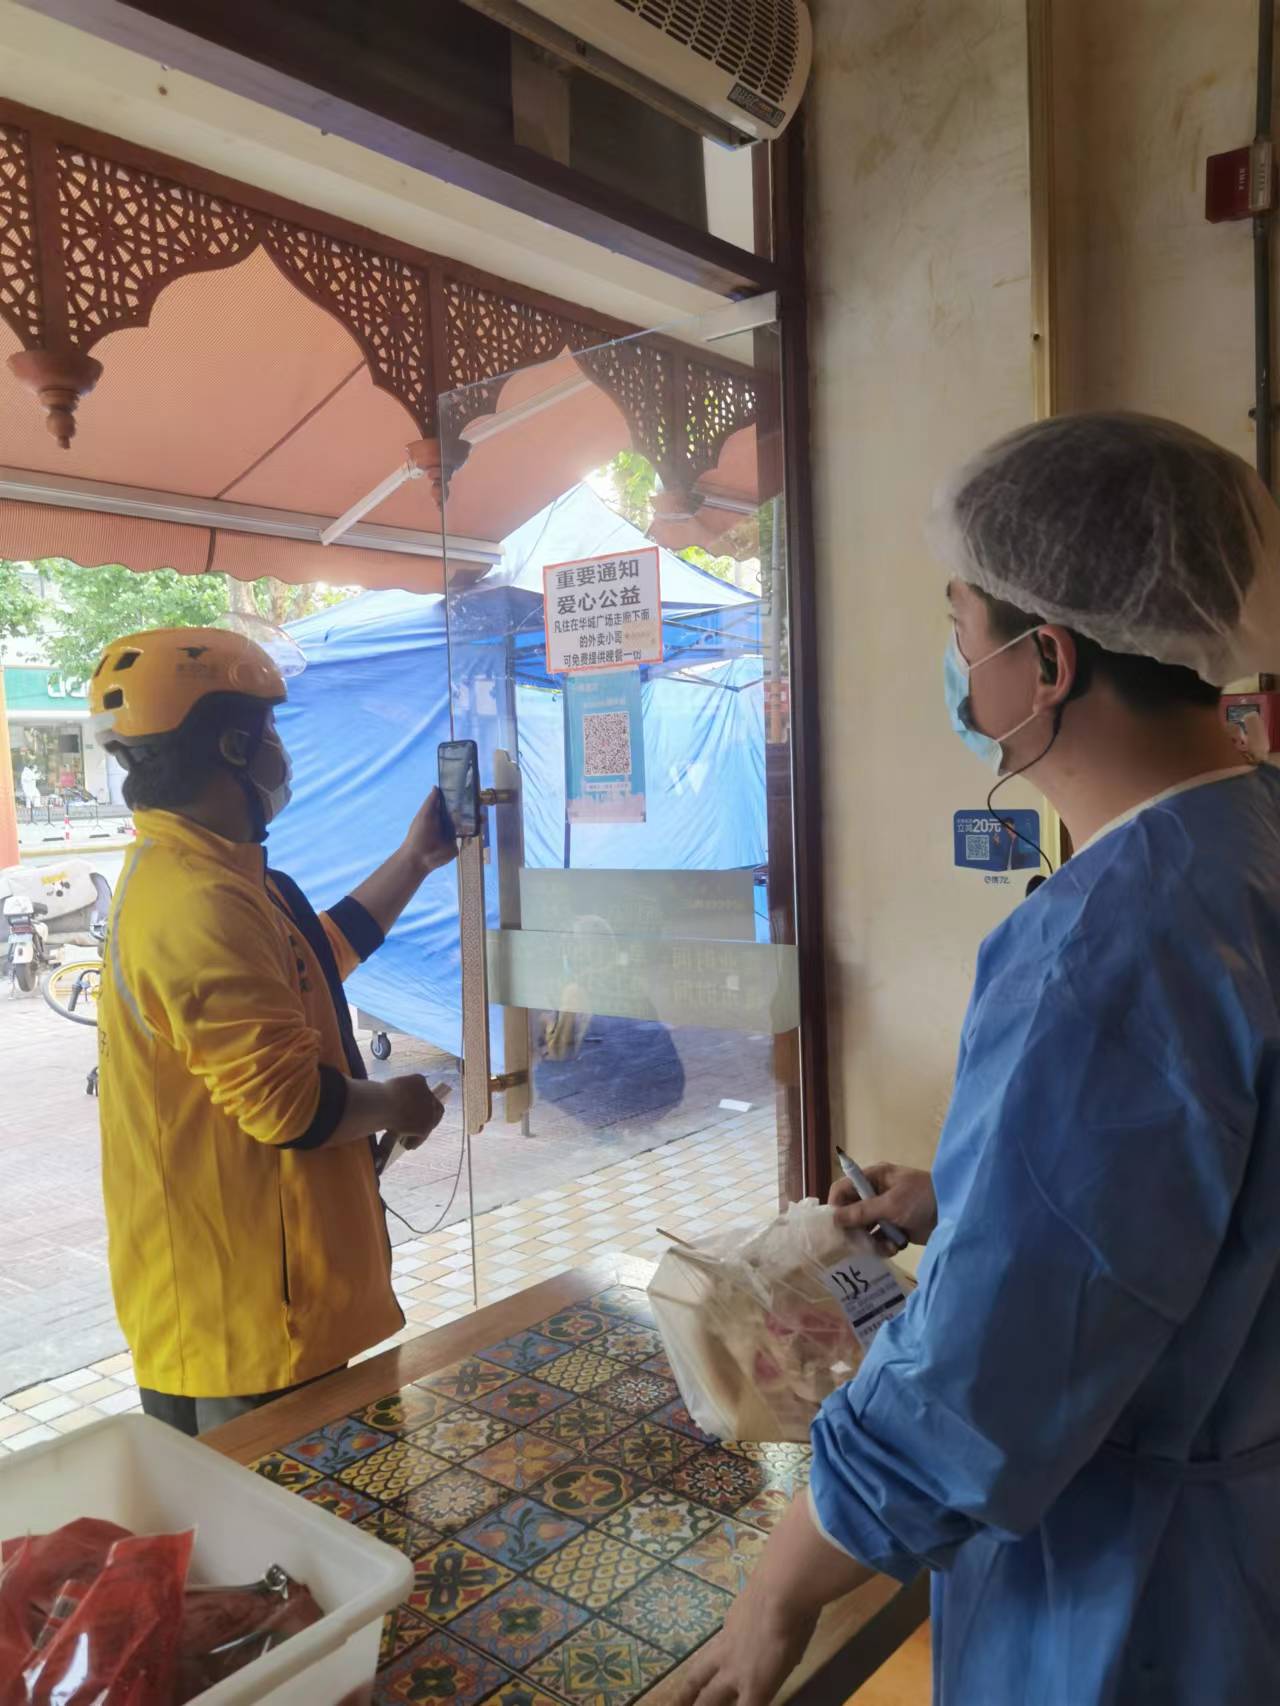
pixel 19 605
pixel 94 606
pixel 635 481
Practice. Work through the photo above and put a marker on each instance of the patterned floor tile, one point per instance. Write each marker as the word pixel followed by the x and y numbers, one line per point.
pixel 461 1434
pixel 673 1611
pixel 594 1570
pixel 575 1326
pixel 393 1528
pixel 631 1304
pixel 583 1371
pixel 719 1479
pixel 441 1672
pixel 600 1666
pixel 337 1444
pixel 766 1510
pixel 401 1629
pixel 396 1470
pixel 451 1501
pixel 659 1365
pixel 518 1692
pixel 401 1412
pixel 524 1353
pixel 285 1471
pixel 660 1522
pixel 637 1394
pixel 340 1501
pixel 524 1401
pixel 521 1534
pixel 785 1467
pixel 588 1492
pixel 677 1417
pixel 467 1380
pixel 451 1578
pixel 582 1425
pixel 648 1450
pixel 522 1461
pixel 773 1455
pixel 630 1342
pixel 724 1556
pixel 520 1622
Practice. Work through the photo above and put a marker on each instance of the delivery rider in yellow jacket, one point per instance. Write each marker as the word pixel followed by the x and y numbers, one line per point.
pixel 248 1248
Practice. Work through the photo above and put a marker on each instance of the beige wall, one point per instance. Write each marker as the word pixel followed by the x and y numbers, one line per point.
pixel 919 208
pixel 1156 305
pixel 920 238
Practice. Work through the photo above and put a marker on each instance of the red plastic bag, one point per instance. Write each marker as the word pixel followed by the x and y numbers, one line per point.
pixel 35 1568
pixel 120 1644
pixel 92 1616
pixel 225 1629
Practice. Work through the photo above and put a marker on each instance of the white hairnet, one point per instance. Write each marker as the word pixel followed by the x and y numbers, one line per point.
pixel 1137 533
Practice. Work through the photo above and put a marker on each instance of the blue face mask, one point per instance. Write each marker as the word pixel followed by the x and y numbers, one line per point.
pixel 956 674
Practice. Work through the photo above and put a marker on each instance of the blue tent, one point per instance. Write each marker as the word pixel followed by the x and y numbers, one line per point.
pixel 364 721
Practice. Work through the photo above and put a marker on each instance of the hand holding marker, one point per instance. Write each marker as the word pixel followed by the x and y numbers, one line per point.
pixel 892 1234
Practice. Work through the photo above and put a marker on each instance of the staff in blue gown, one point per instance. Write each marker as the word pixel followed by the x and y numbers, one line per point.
pixel 1075 1424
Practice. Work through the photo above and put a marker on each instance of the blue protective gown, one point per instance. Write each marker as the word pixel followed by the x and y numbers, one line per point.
pixel 1076 1420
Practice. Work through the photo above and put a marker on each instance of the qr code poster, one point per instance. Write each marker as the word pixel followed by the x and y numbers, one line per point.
pixel 997 841
pixel 603 612
pixel 604 747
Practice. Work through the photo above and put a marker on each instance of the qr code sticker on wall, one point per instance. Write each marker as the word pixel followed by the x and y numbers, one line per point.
pixel 606 744
pixel 977 848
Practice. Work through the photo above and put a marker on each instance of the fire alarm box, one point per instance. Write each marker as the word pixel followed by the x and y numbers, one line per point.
pixel 1240 184
pixel 1238 707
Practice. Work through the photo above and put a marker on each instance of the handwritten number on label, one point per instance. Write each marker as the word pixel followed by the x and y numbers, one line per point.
pixel 851 1282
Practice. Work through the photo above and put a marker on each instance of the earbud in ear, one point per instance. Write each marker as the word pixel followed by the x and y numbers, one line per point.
pixel 1048 665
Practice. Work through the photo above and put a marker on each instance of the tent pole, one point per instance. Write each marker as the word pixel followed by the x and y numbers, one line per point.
pixel 8 800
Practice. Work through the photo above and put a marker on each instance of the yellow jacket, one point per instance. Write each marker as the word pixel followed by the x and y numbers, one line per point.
pixel 245 1256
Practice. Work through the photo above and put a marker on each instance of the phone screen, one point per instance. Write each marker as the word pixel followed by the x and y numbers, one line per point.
pixel 459 775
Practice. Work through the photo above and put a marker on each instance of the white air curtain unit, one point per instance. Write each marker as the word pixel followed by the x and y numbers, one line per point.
pixel 733 70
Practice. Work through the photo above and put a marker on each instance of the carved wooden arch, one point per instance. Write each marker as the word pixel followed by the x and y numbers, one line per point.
pixel 92 230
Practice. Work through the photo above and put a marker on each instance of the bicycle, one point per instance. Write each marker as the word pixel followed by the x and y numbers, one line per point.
pixel 72 991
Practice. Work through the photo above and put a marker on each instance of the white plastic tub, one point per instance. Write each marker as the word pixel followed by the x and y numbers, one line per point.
pixel 154 1480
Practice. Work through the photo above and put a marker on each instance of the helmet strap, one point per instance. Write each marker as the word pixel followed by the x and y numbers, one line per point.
pixel 239 768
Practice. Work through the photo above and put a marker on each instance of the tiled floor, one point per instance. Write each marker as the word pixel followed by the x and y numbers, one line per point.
pixel 631 1089
pixel 725 1174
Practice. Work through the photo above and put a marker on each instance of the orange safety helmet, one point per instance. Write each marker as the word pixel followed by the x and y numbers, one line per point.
pixel 146 685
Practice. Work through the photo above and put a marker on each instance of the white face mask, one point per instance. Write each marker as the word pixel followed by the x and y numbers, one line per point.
pixel 271 756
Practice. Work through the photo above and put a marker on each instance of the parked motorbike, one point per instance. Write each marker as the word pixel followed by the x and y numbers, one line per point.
pixel 27 953
pixel 76 896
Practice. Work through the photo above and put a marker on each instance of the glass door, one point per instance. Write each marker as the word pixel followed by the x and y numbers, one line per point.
pixel 627 914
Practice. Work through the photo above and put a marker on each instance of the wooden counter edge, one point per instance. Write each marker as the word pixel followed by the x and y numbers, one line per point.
pixel 350 1389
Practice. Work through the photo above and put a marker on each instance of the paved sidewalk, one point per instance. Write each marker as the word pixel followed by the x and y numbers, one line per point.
pixel 635 1088
pixel 725 1174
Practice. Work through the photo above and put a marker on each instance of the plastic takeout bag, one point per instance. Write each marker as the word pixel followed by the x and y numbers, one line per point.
pixel 761 1325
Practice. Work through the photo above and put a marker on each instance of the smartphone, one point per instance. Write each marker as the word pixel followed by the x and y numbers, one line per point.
pixel 458 764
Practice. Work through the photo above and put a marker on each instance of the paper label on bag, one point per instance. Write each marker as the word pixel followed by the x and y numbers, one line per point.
pixel 868 1293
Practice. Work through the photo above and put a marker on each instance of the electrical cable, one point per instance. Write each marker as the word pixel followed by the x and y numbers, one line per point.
pixel 1031 763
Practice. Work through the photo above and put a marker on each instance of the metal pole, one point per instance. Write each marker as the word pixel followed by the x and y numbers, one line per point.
pixel 8 798
pixel 1263 424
